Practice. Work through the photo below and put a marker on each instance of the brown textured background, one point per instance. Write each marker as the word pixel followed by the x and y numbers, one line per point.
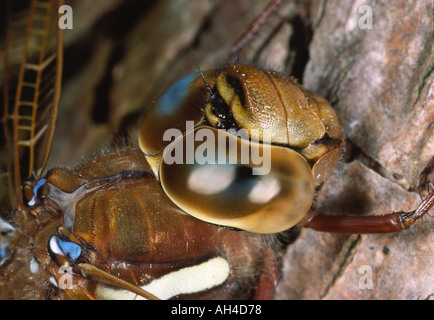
pixel 121 55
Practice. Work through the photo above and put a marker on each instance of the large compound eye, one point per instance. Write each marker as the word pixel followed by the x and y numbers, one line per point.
pixel 237 183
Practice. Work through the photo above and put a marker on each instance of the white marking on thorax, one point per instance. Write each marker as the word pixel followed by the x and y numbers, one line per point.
pixel 204 276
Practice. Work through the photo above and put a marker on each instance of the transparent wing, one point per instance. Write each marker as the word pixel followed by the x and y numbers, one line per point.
pixel 31 74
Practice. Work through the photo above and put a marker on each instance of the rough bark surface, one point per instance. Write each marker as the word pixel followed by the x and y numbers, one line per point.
pixel 121 55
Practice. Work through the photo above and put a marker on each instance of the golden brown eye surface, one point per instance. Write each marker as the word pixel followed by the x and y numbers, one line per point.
pixel 180 103
pixel 237 189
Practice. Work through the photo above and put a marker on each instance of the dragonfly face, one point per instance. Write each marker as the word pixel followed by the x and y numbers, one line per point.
pixel 305 141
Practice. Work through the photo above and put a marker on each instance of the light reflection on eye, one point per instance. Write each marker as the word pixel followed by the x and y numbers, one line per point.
pixel 264 190
pixel 211 179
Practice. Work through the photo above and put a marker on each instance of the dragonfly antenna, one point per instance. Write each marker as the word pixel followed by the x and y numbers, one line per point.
pixel 201 74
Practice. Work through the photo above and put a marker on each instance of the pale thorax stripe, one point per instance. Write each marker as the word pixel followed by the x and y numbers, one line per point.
pixel 201 277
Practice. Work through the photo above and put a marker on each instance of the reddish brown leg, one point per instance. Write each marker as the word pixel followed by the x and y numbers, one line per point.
pixel 269 277
pixel 388 223
pixel 254 27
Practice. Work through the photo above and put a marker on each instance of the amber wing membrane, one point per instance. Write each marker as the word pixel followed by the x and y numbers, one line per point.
pixel 31 75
